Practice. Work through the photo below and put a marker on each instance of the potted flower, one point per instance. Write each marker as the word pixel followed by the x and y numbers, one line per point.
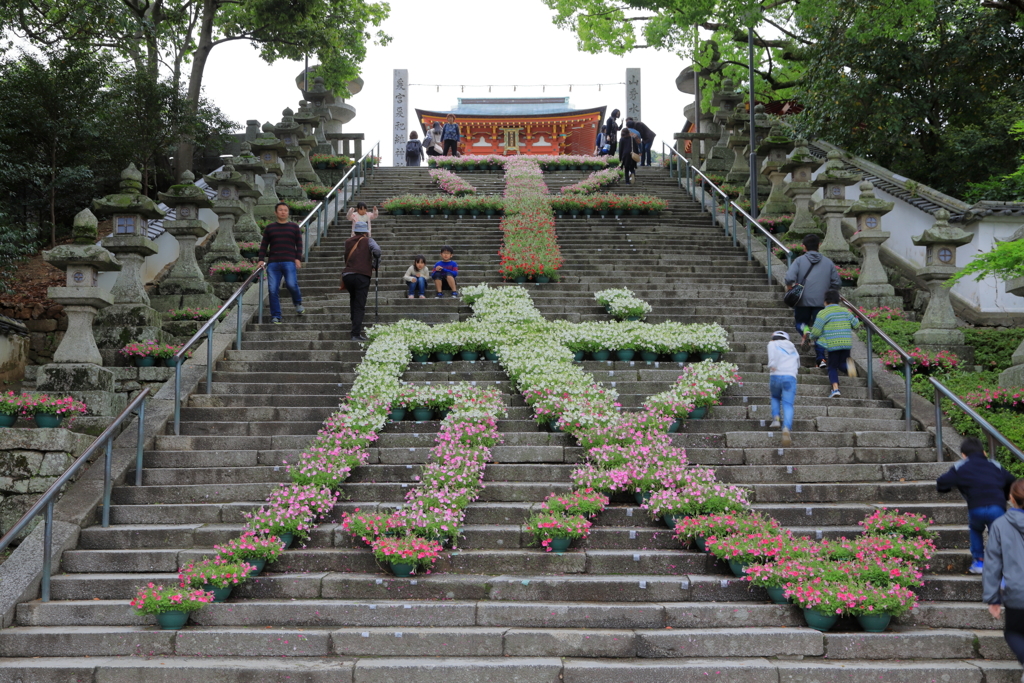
pixel 775 577
pixel 228 272
pixel 171 606
pixel 874 606
pixel 822 602
pixel 249 249
pixel 11 405
pixel 586 503
pixel 143 354
pixel 216 576
pixel 320 161
pixel 895 523
pixel 556 532
pixel 740 550
pixel 849 275
pixel 49 411
pixel 365 526
pixel 407 554
pixel 246 268
pixel 703 526
pixel 253 548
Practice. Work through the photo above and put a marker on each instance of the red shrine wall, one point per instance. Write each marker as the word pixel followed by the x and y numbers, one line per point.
pixel 538 135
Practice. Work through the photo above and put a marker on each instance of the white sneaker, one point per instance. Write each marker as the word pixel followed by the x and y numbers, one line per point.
pixel 775 424
pixel 823 365
pixel 787 438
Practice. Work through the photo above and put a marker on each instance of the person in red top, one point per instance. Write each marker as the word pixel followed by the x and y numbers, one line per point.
pixel 283 241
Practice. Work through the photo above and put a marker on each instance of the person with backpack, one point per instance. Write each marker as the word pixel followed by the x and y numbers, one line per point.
pixel 413 150
pixel 985 485
pixel 432 142
pixel 1002 578
pixel 814 274
pixel 834 326
pixel 783 367
pixel 602 148
pixel 361 253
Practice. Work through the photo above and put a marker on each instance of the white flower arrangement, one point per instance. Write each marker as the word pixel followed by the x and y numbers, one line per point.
pixel 623 304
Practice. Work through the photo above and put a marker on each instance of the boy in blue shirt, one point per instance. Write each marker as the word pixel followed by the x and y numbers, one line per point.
pixel 985 485
pixel 446 270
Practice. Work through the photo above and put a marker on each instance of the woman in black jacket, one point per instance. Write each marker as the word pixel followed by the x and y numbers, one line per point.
pixel 612 131
pixel 627 146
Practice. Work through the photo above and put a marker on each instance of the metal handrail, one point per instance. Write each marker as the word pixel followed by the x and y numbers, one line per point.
pixel 47 499
pixel 872 329
pixel 331 199
pixel 993 434
pixel 207 329
pixel 731 209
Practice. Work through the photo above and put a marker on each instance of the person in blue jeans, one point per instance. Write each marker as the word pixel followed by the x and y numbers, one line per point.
pixel 985 485
pixel 416 277
pixel 783 366
pixel 281 251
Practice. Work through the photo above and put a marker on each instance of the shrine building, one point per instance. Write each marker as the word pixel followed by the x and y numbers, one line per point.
pixel 520 125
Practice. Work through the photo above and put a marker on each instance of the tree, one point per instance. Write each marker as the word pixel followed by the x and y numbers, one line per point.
pixel 176 33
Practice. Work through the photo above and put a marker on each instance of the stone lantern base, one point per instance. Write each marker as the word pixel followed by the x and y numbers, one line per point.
pixel 89 383
pixel 936 340
pixel 872 300
pixel 123 324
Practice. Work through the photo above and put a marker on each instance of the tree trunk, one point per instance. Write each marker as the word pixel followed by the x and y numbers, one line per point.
pixel 186 148
pixel 53 197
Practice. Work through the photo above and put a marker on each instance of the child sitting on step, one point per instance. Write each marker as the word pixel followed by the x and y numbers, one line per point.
pixel 985 485
pixel 783 365
pixel 834 328
pixel 417 276
pixel 445 272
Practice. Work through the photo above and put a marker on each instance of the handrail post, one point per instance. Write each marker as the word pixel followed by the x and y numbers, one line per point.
pixel 106 481
pixel 938 425
pixel 47 552
pixel 140 443
pixel 909 392
pixel 177 399
pixel 993 445
pixel 768 259
pixel 750 256
pixel 209 360
pixel 871 374
pixel 263 274
pixel 238 324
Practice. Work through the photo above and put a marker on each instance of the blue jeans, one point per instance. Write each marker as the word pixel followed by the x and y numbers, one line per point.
pixel 977 520
pixel 645 153
pixel 783 390
pixel 418 286
pixel 275 271
pixel 805 316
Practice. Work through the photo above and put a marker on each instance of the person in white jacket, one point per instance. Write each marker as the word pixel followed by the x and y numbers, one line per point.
pixel 783 366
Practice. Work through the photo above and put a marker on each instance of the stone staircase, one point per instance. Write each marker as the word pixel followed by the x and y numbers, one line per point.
pixel 629 605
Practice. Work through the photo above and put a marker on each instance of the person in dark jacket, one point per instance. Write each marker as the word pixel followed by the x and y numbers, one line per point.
pixel 450 136
pixel 627 145
pixel 361 253
pixel 817 274
pixel 985 485
pixel 612 131
pixel 646 138
pixel 413 150
pixel 1003 577
pixel 281 251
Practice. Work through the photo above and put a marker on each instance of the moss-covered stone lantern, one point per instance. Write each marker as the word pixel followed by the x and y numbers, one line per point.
pixel 720 158
pixel 227 204
pixel 307 119
pixel 801 165
pixel 873 288
pixel 289 132
pixel 320 99
pixel 774 148
pixel 246 163
pixel 833 181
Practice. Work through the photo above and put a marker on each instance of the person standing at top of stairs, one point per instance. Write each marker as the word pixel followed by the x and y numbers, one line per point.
pixel 359 213
pixel 817 274
pixel 283 241
pixel 361 252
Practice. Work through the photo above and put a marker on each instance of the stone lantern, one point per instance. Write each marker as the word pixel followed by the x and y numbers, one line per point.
pixel 833 181
pixel 307 119
pixel 289 132
pixel 873 288
pixel 76 367
pixel 130 318
pixel 802 165
pixel 938 325
pixel 1013 376
pixel 318 97
pixel 720 158
pixel 246 229
pixel 774 148
pixel 268 149
pixel 185 286
pixel 738 141
pixel 227 204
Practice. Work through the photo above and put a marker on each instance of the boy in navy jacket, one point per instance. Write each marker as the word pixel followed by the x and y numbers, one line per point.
pixel 985 486
pixel 445 271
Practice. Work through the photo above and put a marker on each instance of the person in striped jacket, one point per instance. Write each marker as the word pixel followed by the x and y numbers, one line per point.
pixel 833 329
pixel 282 240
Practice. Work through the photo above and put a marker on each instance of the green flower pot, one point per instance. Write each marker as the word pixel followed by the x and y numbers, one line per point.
pixel 713 356
pixel 642 497
pixel 820 621
pixel 48 421
pixel 172 621
pixel 402 569
pixel 229 277
pixel 574 213
pixel 648 356
pixel 397 212
pixel 848 283
pixel 258 565
pixel 431 212
pixel 543 279
pixel 287 540
pixel 423 414
pixel 491 356
pixel 618 212
pixel 8 419
pixel 553 427
pixel 680 357
pixel 600 355
pixel 520 279
pixel 443 413
pixel 698 413
pixel 469 355
pixel 489 212
pixel 460 212
pixel 443 357
pixel 578 356
pixel 397 414
pixel 634 212
pixel 874 623
pixel 674 427
pixel 560 545
pixel 625 354
pixel 420 357
pixel 670 520
pixel 145 361
pixel 474 212
pixel 632 318
pixel 170 362
pixel 777 595
pixel 219 594
pixel 738 568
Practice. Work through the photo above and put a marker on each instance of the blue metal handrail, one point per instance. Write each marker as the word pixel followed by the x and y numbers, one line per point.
pixel 47 499
pixel 731 208
pixel 322 214
pixel 993 434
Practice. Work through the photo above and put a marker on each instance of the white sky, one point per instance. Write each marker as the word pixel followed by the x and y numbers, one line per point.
pixel 490 42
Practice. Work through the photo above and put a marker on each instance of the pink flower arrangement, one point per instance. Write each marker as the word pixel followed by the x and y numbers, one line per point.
pixel 140 349
pixel 413 550
pixel 451 183
pixel 886 522
pixel 250 546
pixel 922 361
pixel 995 399
pixel 156 599
pixel 547 526
pixel 218 572
pixel 51 405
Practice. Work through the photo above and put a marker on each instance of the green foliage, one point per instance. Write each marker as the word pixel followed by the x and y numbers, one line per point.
pixel 15 247
pixel 1008 188
pixel 1005 261
pixel 993 348
pixel 901 332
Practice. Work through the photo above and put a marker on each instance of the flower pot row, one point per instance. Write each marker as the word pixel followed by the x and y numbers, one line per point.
pixel 150 361
pixel 45 410
pixel 445 357
pixel 647 356
pixel 604 213
pixel 536 279
pixel 440 212
pixel 42 420
pixel 419 414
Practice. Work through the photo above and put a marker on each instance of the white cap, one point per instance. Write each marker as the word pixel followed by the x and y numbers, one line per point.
pixel 779 334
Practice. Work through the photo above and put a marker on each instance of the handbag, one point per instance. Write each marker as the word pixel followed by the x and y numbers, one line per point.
pixel 636 157
pixel 438 148
pixel 793 296
pixel 347 257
